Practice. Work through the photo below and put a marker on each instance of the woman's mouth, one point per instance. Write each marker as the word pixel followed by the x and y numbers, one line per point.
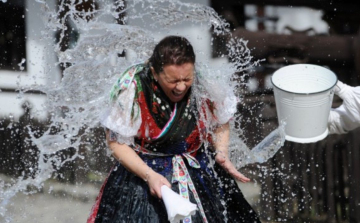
pixel 177 94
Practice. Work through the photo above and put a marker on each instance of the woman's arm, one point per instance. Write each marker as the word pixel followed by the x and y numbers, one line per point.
pixel 221 143
pixel 132 162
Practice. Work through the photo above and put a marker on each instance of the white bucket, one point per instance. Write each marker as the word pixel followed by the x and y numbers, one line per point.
pixel 303 97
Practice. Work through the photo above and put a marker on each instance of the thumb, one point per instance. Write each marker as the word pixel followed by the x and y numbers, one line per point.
pixel 341 89
pixel 167 183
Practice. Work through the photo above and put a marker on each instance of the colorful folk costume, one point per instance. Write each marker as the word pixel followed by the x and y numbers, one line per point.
pixel 173 140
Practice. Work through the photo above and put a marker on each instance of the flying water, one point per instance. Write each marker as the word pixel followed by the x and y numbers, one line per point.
pixel 91 67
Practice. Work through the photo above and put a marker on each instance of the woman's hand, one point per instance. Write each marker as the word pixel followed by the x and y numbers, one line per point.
pixel 131 161
pixel 155 181
pixel 223 160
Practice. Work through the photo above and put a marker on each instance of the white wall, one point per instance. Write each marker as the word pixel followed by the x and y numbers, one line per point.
pixel 40 64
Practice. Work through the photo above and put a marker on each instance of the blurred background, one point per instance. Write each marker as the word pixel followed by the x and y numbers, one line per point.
pixel 318 182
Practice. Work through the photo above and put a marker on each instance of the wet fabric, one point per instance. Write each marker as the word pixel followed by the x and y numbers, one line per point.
pixel 126 197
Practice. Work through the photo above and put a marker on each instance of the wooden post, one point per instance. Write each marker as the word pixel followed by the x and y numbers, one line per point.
pixel 357 55
pixel 331 207
pixel 354 192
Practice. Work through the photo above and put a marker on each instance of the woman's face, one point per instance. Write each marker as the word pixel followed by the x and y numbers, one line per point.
pixel 175 80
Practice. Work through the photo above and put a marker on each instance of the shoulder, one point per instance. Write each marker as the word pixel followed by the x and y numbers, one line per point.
pixel 128 81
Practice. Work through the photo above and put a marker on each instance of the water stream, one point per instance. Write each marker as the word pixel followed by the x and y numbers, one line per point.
pixel 93 64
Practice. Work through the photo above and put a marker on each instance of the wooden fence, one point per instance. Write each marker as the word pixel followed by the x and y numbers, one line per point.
pixel 315 182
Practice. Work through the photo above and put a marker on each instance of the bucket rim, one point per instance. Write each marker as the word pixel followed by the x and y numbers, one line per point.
pixel 307 140
pixel 317 92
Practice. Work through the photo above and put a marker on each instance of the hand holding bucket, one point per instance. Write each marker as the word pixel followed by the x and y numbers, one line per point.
pixel 346 117
pixel 303 96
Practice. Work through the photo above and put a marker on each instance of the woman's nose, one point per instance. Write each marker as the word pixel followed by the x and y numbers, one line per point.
pixel 181 86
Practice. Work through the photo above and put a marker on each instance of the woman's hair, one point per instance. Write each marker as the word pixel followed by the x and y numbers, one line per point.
pixel 172 50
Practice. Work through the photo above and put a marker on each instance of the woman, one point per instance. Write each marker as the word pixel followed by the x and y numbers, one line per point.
pixel 159 131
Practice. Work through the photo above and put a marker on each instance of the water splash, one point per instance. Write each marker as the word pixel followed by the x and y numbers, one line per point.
pixel 93 65
pixel 21 64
